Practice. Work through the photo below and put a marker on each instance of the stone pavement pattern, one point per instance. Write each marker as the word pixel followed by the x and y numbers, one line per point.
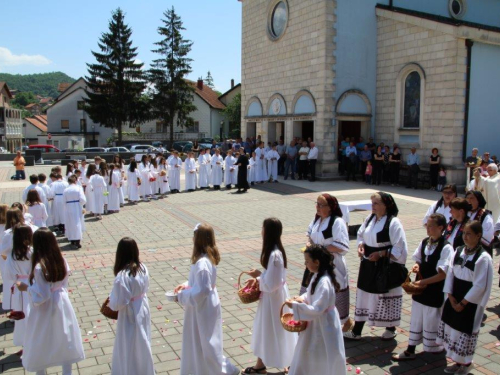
pixel 163 230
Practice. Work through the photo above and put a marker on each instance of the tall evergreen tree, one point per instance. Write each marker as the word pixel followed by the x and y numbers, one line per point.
pixel 116 81
pixel 172 97
pixel 209 81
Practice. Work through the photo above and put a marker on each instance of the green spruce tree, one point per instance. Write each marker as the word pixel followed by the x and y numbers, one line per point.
pixel 172 96
pixel 209 81
pixel 116 81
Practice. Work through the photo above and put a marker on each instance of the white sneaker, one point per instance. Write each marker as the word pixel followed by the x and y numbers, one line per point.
pixel 452 369
pixel 388 335
pixel 464 370
pixel 351 336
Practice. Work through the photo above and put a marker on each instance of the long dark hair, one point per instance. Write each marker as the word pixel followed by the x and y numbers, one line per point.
pixel 272 240
pixel 204 244
pixel 133 166
pixel 326 266
pixel 120 160
pixel 69 168
pixel 90 170
pixel 33 198
pixel 103 168
pixel 127 257
pixel 14 216
pixel 22 240
pixel 111 167
pixel 144 159
pixel 46 252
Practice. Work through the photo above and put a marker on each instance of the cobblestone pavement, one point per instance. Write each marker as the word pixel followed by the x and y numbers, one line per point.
pixel 164 230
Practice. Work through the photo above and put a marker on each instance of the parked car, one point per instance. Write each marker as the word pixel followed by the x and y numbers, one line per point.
pixel 44 148
pixel 118 149
pixel 95 149
pixel 22 148
pixel 70 150
pixel 143 149
pixel 206 140
pixel 205 145
pixel 179 146
pixel 129 145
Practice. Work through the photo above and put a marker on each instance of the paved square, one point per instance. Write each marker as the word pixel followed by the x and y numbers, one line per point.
pixel 163 230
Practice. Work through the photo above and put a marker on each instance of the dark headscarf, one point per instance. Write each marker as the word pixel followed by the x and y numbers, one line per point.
pixel 333 203
pixel 389 203
pixel 479 196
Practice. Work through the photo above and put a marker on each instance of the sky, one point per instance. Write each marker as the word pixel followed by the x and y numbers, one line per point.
pixel 54 35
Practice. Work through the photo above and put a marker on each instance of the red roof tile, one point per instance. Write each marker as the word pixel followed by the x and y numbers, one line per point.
pixel 42 119
pixel 208 95
pixel 30 105
pixel 36 123
pixel 45 100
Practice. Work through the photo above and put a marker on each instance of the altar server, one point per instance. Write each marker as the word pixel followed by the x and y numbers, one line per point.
pixel 42 182
pixel 230 173
pixel 216 164
pixel 174 172
pixel 36 208
pixel 320 348
pixel 272 157
pixel 134 182
pixel 260 173
pixel 204 165
pixel 163 177
pixel 98 185
pixel 272 345
pixel 132 349
pixel 146 176
pixel 252 165
pixel 74 199
pixel 202 339
pixel 34 185
pixel 56 190
pixel 115 184
pixel 190 172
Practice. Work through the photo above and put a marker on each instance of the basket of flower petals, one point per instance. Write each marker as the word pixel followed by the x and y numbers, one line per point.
pixel 411 288
pixel 248 294
pixel 291 325
pixel 163 172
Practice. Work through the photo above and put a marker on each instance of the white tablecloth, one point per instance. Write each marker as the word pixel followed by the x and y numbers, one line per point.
pixel 346 207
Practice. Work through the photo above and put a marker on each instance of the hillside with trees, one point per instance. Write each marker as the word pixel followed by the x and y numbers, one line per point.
pixel 43 84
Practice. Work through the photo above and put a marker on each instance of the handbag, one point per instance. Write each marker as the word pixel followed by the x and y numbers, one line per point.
pixel 390 274
pixel 16 315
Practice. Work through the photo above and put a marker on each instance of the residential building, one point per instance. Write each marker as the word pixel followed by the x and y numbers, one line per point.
pixel 227 98
pixel 10 121
pixel 420 73
pixel 34 108
pixel 34 127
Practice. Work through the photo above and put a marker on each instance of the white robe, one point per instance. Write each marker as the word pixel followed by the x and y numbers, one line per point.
pixel 490 187
pixel 230 171
pixel 216 177
pixel 204 174
pixel 251 170
pixel 270 341
pixel 163 180
pixel 320 349
pixel 74 199
pixel 39 213
pixel 89 194
pixel 53 337
pixel 272 165
pixel 114 191
pixel 37 187
pixel 261 173
pixel 133 187
pixel 174 173
pixel 190 173
pixel 98 185
pixel 445 211
pixel 47 203
pixel 202 339
pixel 488 228
pixel 132 349
pixel 57 189
pixel 19 270
pixel 146 187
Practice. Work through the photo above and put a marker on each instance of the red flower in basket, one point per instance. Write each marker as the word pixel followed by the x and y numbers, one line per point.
pixel 152 179
pixel 293 323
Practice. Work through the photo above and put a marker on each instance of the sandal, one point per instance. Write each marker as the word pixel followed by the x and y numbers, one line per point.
pixel 404 356
pixel 253 370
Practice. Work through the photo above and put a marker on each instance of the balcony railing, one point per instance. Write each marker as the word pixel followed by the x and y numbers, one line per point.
pixel 161 136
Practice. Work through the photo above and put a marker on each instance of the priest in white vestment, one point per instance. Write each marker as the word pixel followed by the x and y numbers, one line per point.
pixel 490 187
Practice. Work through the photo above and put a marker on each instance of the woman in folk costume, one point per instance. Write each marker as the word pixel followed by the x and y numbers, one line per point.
pixel 442 206
pixel 381 236
pixel 36 208
pixel 51 313
pixel 229 169
pixel 89 194
pixel 174 172
pixel 468 287
pixel 190 172
pixel 272 157
pixel 216 163
pixel 75 200
pixel 479 213
pixel 118 161
pixel 163 177
pixel 320 348
pixel 98 186
pixel 272 345
pixel 56 190
pixel 18 268
pixel 145 170
pixel 330 230
pixel 252 165
pixel 132 349
pixel 114 184
pixel 433 257
pixel 202 338
pixel 134 181
pixel 204 165
pixel 459 217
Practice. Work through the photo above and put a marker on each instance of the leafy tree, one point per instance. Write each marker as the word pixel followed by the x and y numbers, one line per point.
pixel 209 81
pixel 24 98
pixel 43 84
pixel 116 82
pixel 232 113
pixel 172 96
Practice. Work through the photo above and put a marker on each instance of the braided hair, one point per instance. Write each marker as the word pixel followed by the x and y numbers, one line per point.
pixel 326 266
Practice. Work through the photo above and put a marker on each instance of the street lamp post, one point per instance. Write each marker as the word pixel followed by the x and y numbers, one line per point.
pixel 221 127
pixel 93 135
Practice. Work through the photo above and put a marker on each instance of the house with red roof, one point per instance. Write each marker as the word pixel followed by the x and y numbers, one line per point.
pixel 33 127
pixel 10 121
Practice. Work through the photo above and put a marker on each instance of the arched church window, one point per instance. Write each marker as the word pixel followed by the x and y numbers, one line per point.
pixel 411 118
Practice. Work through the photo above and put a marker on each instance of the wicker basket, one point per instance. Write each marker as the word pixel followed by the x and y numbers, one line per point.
pixel 163 173
pixel 285 318
pixel 411 288
pixel 107 312
pixel 245 296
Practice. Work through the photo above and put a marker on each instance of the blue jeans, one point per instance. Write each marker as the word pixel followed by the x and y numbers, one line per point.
pixel 290 163
pixel 20 175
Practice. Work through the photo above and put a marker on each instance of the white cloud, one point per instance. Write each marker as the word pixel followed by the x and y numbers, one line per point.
pixel 7 58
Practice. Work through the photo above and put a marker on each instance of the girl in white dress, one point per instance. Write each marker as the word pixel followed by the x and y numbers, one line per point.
pixel 252 166
pixel 51 315
pixel 202 338
pixel 229 169
pixel 174 172
pixel 42 178
pixel 320 349
pixel 69 170
pixel 18 268
pixel 98 185
pixel 190 172
pixel 117 160
pixel 155 186
pixel 216 163
pixel 132 349
pixel 133 178
pixel 89 192
pixel 36 208
pixel 145 170
pixel 114 183
pixel 163 180
pixel 272 345
pixel 104 170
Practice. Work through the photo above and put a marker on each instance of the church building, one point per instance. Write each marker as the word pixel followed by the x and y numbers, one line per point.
pixel 419 73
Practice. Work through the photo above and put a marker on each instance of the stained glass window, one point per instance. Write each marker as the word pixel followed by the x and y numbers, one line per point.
pixel 412 101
